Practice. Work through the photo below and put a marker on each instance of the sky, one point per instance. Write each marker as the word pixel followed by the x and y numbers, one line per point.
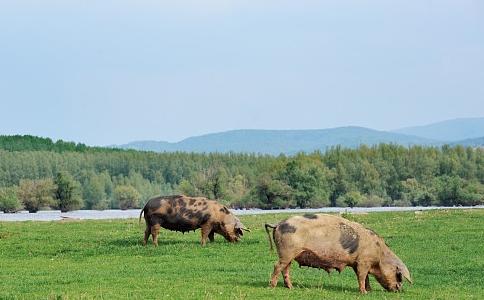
pixel 115 71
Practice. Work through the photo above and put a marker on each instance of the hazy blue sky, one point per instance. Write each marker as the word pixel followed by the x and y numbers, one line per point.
pixel 110 72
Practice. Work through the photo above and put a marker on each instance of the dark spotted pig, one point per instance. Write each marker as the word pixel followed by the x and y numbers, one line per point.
pixel 330 242
pixel 182 213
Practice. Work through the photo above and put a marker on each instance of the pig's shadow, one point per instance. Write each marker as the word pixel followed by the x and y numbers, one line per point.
pixel 130 242
pixel 296 286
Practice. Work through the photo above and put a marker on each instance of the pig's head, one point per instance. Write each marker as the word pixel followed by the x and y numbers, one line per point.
pixel 390 273
pixel 233 229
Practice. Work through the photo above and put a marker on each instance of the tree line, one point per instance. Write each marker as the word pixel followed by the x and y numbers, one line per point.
pixel 37 173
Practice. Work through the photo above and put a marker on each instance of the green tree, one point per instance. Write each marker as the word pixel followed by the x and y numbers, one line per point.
pixel 353 198
pixel 271 193
pixel 217 181
pixel 143 186
pixel 186 188
pixel 423 164
pixel 307 178
pixel 211 181
pixel 95 195
pixel 66 193
pixel 450 162
pixel 339 183
pixel 368 179
pixel 416 193
pixel 127 197
pixel 35 194
pixel 449 189
pixel 238 187
pixel 472 193
pixel 9 202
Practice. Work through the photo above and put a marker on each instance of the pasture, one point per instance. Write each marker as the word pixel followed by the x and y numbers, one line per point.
pixel 104 259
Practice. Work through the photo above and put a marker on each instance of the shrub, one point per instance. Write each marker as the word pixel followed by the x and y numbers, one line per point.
pixel 353 198
pixel 35 194
pixel 402 203
pixel 9 202
pixel 371 201
pixel 127 197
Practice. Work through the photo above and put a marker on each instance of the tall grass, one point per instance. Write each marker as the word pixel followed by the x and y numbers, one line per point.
pixel 104 259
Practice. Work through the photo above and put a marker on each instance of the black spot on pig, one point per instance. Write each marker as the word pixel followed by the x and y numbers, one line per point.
pixel 349 238
pixel 285 227
pixel 182 203
pixel 154 205
pixel 311 217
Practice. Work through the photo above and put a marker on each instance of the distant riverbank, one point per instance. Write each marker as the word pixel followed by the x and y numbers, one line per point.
pixel 53 215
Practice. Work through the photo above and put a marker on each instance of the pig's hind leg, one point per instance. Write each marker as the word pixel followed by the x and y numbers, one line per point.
pixel 284 267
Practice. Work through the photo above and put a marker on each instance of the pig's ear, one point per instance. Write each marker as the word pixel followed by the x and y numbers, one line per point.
pixel 239 225
pixel 403 269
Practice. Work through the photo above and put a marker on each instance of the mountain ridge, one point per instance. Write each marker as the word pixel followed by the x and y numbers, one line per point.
pixel 290 142
pixel 449 130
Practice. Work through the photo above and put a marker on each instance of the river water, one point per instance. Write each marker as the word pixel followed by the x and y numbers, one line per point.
pixel 53 215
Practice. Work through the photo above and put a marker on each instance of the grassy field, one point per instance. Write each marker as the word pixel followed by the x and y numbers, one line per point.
pixel 104 259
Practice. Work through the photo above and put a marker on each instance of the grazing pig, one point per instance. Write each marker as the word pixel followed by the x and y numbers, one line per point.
pixel 330 242
pixel 182 213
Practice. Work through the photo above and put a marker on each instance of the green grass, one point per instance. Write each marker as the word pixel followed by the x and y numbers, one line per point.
pixel 104 259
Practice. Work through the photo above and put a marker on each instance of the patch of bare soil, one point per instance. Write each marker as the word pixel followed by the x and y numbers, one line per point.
pixel 68 219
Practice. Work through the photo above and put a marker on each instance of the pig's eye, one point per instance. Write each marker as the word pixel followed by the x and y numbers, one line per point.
pixel 399 277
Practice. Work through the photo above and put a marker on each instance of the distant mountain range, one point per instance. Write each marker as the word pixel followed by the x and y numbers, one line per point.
pixel 466 132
